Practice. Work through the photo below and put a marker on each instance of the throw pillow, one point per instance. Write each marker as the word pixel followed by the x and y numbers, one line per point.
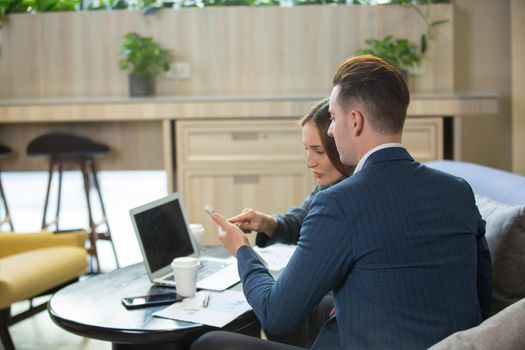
pixel 503 331
pixel 505 233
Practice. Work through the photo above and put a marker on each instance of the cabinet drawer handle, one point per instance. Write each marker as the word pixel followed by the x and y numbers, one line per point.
pixel 245 136
pixel 246 179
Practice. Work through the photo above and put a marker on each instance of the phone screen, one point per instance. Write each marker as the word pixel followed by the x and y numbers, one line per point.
pixel 151 300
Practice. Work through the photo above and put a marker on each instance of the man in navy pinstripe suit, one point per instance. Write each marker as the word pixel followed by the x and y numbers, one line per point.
pixel 401 246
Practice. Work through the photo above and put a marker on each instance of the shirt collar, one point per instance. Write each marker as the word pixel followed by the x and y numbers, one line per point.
pixel 375 149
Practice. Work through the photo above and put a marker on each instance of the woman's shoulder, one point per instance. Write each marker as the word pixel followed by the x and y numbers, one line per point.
pixel 322 188
pixel 345 186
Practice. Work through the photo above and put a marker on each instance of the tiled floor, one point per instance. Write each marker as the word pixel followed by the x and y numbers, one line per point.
pixel 121 191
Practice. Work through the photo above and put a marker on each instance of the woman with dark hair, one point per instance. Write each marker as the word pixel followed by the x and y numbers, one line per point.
pixel 323 160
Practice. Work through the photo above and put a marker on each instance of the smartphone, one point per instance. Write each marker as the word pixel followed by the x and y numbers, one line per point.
pixel 209 209
pixel 150 300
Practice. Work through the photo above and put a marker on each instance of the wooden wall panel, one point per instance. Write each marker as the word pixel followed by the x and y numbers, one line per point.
pixel 518 85
pixel 482 62
pixel 134 145
pixel 231 50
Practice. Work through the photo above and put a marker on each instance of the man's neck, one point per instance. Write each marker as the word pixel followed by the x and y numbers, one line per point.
pixel 372 142
pixel 378 140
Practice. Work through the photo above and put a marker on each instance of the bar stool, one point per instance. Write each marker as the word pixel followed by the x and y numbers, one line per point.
pixel 6 218
pixel 67 148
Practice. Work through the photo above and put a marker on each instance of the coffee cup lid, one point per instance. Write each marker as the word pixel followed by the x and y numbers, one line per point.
pixel 185 261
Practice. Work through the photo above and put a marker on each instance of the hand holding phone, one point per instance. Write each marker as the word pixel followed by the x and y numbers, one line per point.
pixel 150 300
pixel 209 209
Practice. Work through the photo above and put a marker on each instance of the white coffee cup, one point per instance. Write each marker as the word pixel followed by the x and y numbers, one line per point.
pixel 185 273
pixel 197 230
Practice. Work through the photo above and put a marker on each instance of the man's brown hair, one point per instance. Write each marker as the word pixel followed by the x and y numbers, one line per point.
pixel 378 87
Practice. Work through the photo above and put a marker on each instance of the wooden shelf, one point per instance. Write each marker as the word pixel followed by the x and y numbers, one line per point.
pixel 191 107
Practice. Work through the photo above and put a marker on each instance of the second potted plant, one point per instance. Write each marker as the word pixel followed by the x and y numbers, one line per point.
pixel 144 59
pixel 396 51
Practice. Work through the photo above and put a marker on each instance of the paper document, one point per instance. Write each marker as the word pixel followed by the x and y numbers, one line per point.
pixel 276 255
pixel 221 308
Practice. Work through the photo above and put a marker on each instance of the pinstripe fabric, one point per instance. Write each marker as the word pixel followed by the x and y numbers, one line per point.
pixel 289 224
pixel 401 245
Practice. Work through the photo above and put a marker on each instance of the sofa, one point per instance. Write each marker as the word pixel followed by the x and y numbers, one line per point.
pixel 34 264
pixel 500 197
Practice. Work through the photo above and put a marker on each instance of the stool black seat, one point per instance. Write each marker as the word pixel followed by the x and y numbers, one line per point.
pixel 64 145
pixel 67 148
pixel 4 150
pixel 6 217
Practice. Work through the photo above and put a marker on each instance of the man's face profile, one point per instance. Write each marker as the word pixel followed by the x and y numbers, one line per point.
pixel 339 129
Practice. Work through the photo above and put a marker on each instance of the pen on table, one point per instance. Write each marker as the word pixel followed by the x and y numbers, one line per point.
pixel 206 300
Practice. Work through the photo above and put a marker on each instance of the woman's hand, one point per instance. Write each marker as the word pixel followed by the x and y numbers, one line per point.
pixel 250 220
pixel 231 237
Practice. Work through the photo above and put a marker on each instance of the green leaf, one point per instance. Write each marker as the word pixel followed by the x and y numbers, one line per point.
pixel 143 56
pixel 438 22
pixel 397 51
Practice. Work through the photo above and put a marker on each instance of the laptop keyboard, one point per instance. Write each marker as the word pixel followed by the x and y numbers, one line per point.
pixel 208 267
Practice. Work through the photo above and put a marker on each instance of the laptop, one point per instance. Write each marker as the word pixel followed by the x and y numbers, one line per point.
pixel 163 234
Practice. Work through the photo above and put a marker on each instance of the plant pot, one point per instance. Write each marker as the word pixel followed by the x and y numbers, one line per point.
pixel 141 85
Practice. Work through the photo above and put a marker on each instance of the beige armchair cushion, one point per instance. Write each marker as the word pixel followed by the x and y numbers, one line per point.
pixel 33 263
pixel 28 274
pixel 14 243
pixel 503 331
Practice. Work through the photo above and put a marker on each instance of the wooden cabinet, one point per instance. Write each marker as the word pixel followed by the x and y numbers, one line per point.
pixel 239 164
pixel 423 137
pixel 259 164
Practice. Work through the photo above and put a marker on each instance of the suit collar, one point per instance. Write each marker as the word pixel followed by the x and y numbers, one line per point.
pixel 388 154
pixel 364 158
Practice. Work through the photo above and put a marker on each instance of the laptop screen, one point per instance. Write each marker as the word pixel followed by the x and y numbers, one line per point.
pixel 163 234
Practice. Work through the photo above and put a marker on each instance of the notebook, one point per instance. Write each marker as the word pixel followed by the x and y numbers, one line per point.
pixel 163 234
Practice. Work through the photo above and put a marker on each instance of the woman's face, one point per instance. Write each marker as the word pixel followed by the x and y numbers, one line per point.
pixel 316 158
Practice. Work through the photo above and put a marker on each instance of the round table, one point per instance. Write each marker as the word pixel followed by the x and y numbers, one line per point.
pixel 92 308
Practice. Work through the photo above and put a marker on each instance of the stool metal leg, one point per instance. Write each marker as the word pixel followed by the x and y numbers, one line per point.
pixel 7 218
pixel 59 166
pixel 46 202
pixel 93 228
pixel 59 191
pixel 107 235
pixel 90 180
pixel 5 337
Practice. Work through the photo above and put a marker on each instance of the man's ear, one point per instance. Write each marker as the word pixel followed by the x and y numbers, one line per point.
pixel 358 121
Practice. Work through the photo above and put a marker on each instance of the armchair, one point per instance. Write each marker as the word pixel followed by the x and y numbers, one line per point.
pixel 34 264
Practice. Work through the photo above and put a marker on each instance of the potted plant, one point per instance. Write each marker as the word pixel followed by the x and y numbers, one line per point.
pixel 399 51
pixel 396 51
pixel 144 59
